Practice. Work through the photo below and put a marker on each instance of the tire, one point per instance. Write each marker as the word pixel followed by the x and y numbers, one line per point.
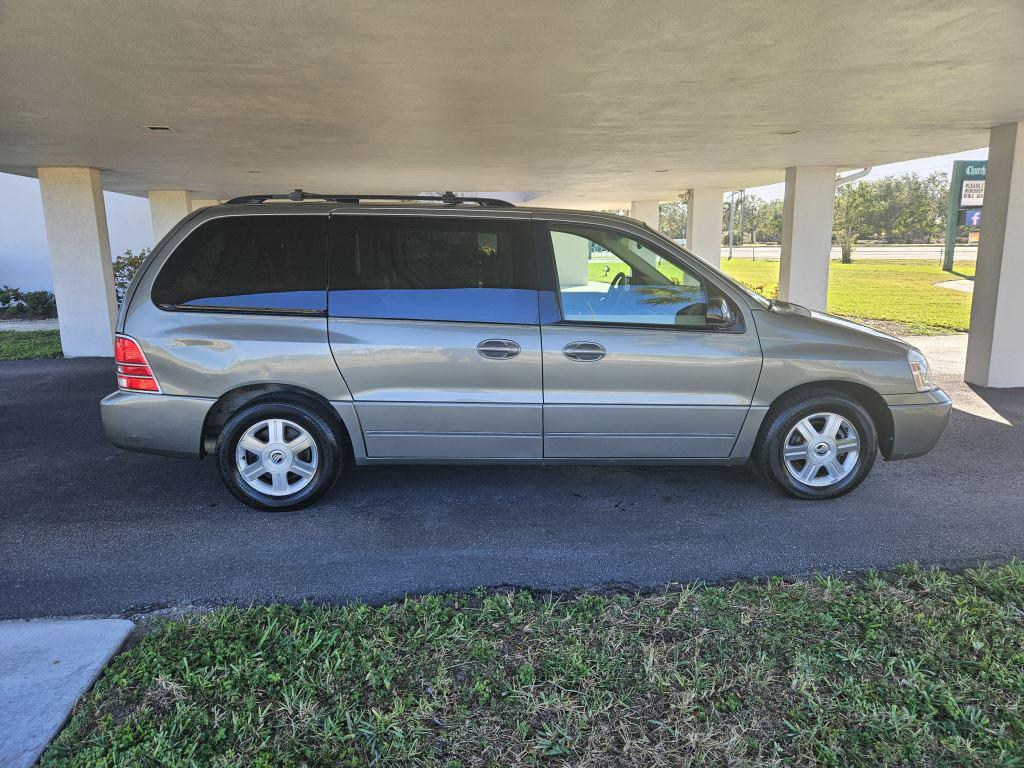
pixel 838 456
pixel 298 444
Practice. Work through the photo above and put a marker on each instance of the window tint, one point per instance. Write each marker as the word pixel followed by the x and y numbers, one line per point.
pixel 465 270
pixel 249 263
pixel 607 277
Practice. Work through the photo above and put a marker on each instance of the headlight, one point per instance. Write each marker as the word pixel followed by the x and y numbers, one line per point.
pixel 919 370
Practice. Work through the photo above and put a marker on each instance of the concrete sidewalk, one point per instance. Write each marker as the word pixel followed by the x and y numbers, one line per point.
pixel 45 667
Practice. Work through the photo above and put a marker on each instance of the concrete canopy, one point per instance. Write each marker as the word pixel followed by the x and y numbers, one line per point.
pixel 595 103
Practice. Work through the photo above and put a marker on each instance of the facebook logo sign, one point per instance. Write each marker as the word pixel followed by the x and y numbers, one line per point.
pixel 972 218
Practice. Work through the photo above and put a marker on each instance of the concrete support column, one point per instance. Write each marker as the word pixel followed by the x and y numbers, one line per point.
pixel 197 203
pixel 647 211
pixel 83 275
pixel 704 223
pixel 572 258
pixel 807 213
pixel 167 207
pixel 995 347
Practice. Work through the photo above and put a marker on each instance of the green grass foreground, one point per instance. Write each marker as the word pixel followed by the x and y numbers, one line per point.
pixel 29 345
pixel 898 296
pixel 911 668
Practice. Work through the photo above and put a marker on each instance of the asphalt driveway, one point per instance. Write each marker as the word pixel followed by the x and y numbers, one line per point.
pixel 88 529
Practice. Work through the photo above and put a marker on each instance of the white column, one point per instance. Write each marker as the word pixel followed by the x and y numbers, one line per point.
pixel 649 212
pixel 995 346
pixel 807 213
pixel 704 223
pixel 167 207
pixel 83 275
pixel 572 258
pixel 197 203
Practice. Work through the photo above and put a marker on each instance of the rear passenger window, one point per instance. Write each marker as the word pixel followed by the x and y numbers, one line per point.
pixel 464 270
pixel 249 263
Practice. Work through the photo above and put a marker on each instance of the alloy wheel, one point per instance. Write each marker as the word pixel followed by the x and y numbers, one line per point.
pixel 276 457
pixel 821 449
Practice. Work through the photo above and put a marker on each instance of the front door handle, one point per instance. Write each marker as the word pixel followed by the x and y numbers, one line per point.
pixel 584 351
pixel 498 349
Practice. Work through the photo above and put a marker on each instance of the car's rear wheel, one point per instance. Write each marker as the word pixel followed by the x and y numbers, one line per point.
pixel 279 453
pixel 817 445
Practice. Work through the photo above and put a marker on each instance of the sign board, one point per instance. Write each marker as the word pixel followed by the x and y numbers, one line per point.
pixel 972 193
pixel 966 191
pixel 972 217
pixel 975 169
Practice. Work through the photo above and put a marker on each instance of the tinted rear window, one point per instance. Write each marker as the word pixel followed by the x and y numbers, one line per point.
pixel 466 270
pixel 268 263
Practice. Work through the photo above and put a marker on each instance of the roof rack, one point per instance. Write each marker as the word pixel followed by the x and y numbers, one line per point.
pixel 448 198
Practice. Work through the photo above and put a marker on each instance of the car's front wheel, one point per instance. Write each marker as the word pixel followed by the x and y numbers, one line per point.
pixel 817 445
pixel 279 453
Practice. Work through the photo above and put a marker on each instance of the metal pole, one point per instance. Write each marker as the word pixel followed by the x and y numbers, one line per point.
pixel 732 212
pixel 743 206
pixel 952 212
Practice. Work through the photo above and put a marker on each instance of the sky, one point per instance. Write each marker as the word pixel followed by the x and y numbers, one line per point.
pixel 24 260
pixel 923 167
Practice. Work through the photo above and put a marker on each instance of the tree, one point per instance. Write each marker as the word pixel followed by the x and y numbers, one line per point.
pixel 766 220
pixel 905 209
pixel 673 220
pixel 852 202
pixel 738 222
pixel 125 267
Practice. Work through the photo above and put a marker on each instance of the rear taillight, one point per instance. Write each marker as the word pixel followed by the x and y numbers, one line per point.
pixel 133 372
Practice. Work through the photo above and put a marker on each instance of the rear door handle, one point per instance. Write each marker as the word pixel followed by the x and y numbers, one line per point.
pixel 498 349
pixel 584 351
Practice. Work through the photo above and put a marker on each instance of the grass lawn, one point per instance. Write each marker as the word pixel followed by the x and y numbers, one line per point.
pixel 27 345
pixel 895 295
pixel 911 668
pixel 898 292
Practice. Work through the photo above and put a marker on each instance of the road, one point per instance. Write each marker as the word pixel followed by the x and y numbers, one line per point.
pixel 88 529
pixel 919 252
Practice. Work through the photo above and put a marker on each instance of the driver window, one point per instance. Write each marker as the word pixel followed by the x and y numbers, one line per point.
pixel 606 277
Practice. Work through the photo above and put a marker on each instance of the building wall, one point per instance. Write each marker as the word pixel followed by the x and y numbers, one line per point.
pixel 24 256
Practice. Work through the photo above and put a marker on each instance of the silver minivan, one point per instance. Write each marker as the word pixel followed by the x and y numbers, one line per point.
pixel 288 334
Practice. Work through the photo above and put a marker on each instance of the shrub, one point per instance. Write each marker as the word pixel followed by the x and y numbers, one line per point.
pixel 10 299
pixel 16 304
pixel 29 345
pixel 40 304
pixel 125 267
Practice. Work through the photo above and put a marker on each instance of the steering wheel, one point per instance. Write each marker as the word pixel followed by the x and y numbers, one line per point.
pixel 619 279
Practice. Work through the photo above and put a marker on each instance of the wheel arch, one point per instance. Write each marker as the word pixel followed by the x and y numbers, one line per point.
pixel 873 402
pixel 232 400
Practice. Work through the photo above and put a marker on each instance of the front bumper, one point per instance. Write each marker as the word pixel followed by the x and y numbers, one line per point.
pixel 917 422
pixel 164 424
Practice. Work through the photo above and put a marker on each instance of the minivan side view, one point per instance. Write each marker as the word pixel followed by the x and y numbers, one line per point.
pixel 292 335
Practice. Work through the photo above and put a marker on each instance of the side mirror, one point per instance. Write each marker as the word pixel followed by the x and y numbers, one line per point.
pixel 719 314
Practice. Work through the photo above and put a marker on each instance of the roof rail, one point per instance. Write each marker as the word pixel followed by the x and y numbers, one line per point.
pixel 448 198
